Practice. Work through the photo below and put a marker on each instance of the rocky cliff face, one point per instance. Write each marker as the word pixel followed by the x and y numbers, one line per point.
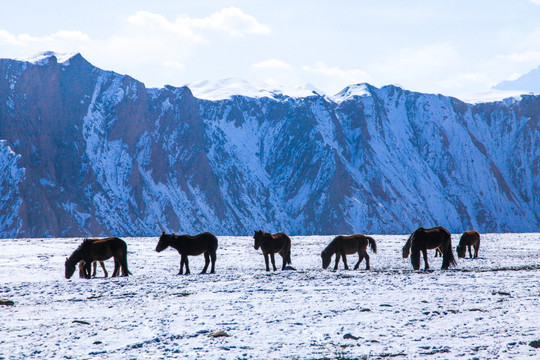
pixel 89 152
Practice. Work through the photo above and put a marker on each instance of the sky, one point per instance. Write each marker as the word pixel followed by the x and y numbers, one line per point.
pixel 451 47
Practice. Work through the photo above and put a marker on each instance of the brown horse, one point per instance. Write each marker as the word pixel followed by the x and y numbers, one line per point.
pixel 342 245
pixel 81 269
pixel 424 239
pixel 271 244
pixel 92 250
pixel 468 239
pixel 186 245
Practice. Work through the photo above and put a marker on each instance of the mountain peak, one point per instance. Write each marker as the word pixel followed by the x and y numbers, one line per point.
pixel 351 91
pixel 43 58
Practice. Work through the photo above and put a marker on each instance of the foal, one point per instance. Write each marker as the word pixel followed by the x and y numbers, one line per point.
pixel 468 239
pixel 271 244
pixel 343 245
pixel 82 273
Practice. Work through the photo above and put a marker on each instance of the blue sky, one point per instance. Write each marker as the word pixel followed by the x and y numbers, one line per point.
pixel 449 47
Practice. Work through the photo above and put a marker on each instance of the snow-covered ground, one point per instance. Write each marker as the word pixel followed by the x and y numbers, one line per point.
pixel 485 308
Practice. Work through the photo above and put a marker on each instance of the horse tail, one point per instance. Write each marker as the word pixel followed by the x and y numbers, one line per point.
pixel 448 256
pixel 288 260
pixel 372 244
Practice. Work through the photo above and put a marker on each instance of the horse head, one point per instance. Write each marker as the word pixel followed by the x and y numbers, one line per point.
pixel 69 268
pixel 163 243
pixel 325 259
pixel 258 236
pixel 461 250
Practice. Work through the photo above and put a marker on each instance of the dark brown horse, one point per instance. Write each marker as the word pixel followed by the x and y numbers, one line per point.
pixel 271 244
pixel 82 273
pixel 468 239
pixel 92 250
pixel 424 239
pixel 186 245
pixel 343 245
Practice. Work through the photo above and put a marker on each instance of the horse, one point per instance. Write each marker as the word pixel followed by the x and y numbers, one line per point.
pixel 438 252
pixel 81 268
pixel 186 245
pixel 424 239
pixel 342 245
pixel 271 244
pixel 468 239
pixel 91 250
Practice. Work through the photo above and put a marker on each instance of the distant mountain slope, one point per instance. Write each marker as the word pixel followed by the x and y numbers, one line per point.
pixel 90 152
pixel 529 82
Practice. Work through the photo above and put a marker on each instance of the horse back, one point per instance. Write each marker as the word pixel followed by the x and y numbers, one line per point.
pixel 103 249
pixel 351 244
pixel 276 243
pixel 433 237
pixel 469 238
pixel 196 244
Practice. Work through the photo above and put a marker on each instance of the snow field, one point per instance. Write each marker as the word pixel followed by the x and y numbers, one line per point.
pixel 485 308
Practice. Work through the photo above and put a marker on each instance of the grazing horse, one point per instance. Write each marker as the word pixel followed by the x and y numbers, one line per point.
pixel 424 239
pixel 342 245
pixel 82 273
pixel 91 250
pixel 271 244
pixel 186 245
pixel 468 239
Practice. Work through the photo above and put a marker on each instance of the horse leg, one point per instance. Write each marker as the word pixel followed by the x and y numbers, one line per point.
pixel 81 269
pixel 213 258
pixel 206 262
pixel 266 261
pixel 103 268
pixel 284 257
pixel 273 258
pixel 367 260
pixel 476 247
pixel 123 263
pixel 470 252
pixel 344 256
pixel 337 261
pixel 360 258
pixel 116 271
pixel 186 262
pixel 88 270
pixel 94 271
pixel 424 253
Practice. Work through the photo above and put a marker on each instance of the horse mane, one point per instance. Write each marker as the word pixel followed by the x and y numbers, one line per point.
pixel 406 250
pixel 76 253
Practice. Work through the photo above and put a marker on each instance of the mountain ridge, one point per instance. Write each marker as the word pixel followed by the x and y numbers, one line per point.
pixel 91 152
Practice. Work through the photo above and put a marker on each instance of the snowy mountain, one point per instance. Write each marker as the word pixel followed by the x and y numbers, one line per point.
pixel 85 151
pixel 529 82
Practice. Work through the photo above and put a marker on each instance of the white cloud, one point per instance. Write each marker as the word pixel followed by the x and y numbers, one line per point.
pixel 174 64
pixel 231 21
pixel 322 68
pixel 271 64
pixel 536 2
pixel 150 22
pixel 527 56
pixel 464 80
pixel 70 35
pixel 50 40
